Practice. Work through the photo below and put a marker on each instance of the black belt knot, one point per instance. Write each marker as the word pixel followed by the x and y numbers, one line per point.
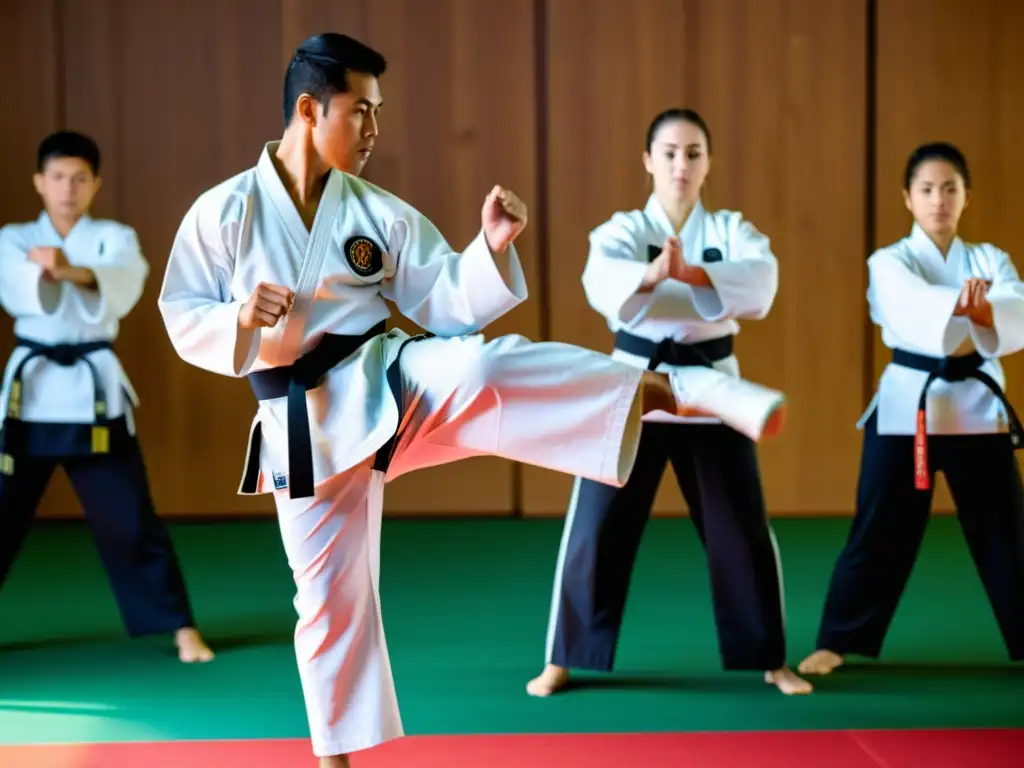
pixel 671 352
pixel 293 381
pixel 953 368
pixel 64 355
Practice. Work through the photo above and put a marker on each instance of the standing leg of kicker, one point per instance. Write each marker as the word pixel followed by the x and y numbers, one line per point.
pixel 332 543
pixel 743 558
pixel 136 549
pixel 602 533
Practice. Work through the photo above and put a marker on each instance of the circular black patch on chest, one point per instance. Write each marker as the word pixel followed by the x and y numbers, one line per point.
pixel 363 255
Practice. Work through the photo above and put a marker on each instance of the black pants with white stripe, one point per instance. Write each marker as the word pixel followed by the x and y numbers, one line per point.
pixel 889 525
pixel 718 475
pixel 134 544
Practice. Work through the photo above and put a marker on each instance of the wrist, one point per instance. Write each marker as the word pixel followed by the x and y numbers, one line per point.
pixel 696 276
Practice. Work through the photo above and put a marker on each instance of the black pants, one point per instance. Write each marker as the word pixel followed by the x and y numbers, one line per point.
pixel 134 544
pixel 718 475
pixel 890 522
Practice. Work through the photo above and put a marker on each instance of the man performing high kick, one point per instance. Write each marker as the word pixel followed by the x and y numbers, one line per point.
pixel 280 274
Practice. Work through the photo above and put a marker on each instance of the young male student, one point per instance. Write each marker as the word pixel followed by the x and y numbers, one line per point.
pixel 68 280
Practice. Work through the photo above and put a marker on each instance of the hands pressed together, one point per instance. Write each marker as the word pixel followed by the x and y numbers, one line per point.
pixel 670 265
pixel 974 302
pixel 57 268
pixel 52 260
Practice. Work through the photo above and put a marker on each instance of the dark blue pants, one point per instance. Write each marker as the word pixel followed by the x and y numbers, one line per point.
pixel 134 544
pixel 718 476
pixel 889 525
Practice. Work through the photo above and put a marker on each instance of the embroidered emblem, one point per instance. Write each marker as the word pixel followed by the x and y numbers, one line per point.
pixel 711 255
pixel 364 255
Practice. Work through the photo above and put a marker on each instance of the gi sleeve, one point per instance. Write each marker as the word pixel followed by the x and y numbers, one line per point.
pixel 1006 296
pixel 443 291
pixel 23 290
pixel 195 299
pixel 918 313
pixel 120 280
pixel 744 284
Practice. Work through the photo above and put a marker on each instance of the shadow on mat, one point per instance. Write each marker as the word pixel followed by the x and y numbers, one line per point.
pixel 729 682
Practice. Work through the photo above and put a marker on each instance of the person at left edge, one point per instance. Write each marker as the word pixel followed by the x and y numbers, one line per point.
pixel 68 280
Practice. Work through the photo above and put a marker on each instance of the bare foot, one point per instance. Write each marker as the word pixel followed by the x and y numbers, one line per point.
pixel 821 662
pixel 550 680
pixel 786 681
pixel 191 646
pixel 338 761
pixel 773 426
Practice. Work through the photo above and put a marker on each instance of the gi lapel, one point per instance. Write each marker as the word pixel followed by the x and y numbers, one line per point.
pixel 312 263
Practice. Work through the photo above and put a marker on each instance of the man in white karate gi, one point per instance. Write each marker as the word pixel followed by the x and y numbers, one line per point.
pixel 280 274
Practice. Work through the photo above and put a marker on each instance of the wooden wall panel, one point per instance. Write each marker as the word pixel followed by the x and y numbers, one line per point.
pixel 33 107
pixel 171 125
pixel 783 88
pixel 971 94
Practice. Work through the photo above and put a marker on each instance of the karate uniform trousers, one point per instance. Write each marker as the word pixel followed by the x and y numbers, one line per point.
pixel 548 404
pixel 111 484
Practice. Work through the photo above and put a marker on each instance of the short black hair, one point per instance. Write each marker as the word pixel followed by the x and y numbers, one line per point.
pixel 68 144
pixel 320 66
pixel 938 150
pixel 677 114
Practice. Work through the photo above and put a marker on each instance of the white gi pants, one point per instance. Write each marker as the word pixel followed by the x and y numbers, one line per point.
pixel 551 405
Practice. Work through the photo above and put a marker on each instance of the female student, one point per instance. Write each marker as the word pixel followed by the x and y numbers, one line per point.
pixel 948 310
pixel 672 280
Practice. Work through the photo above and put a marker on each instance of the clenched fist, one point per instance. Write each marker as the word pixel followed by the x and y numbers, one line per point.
pixel 268 304
pixel 503 217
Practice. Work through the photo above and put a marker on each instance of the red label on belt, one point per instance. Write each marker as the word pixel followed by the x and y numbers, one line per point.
pixel 921 474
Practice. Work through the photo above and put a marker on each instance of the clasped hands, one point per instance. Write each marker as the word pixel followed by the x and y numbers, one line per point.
pixel 973 302
pixel 52 261
pixel 670 264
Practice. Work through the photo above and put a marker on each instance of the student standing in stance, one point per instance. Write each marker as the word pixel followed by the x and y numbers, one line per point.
pixel 672 280
pixel 282 274
pixel 68 280
pixel 948 310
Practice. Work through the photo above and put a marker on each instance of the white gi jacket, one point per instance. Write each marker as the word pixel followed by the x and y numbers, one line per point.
pixel 912 293
pixel 64 313
pixel 737 258
pixel 366 245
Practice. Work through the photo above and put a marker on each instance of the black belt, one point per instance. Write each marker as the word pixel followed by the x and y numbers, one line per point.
pixel 293 381
pixel 670 352
pixel 959 368
pixel 64 355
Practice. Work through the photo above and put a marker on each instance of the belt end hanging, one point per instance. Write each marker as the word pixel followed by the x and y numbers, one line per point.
pixel 922 481
pixel 100 440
